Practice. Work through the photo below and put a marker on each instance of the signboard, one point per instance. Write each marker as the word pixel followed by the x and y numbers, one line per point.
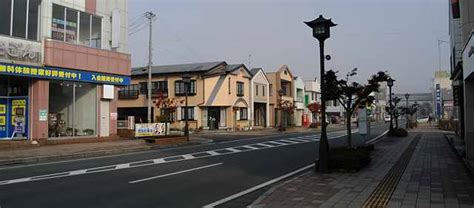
pixel 438 101
pixel 149 129
pixel 62 74
pixel 43 115
pixel 363 121
pixel 12 49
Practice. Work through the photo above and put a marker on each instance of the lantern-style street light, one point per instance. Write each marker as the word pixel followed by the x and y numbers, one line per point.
pixel 186 81
pixel 406 113
pixel 322 31
pixel 390 85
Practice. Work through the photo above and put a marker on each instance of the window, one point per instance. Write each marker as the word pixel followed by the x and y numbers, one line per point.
pixel 72 109
pixel 240 89
pixel 160 87
pixel 243 113
pixel 19 18
pixel 25 18
pixel 228 85
pixel 88 31
pixel 129 92
pixel 263 90
pixel 256 90
pixel 168 115
pixel 312 95
pixel 190 115
pixel 179 88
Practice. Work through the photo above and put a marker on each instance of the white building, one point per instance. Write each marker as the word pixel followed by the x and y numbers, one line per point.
pixel 298 97
pixel 312 89
pixel 259 99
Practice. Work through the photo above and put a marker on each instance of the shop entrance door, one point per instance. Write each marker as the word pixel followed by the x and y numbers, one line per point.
pixel 104 118
pixel 214 117
pixel 13 118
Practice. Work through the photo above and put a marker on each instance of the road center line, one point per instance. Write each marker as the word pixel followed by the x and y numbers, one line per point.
pixel 175 173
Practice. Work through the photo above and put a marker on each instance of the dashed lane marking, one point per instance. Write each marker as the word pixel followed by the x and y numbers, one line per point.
pixel 175 173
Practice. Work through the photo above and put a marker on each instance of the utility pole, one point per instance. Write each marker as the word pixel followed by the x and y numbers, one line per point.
pixel 149 16
pixel 439 52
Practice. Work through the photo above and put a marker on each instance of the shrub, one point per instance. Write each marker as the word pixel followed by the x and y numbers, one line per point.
pixel 398 132
pixel 314 125
pixel 448 125
pixel 348 159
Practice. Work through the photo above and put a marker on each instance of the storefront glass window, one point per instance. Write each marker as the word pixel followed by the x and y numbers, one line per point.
pixel 85 105
pixel 72 114
pixel 71 26
pixel 19 18
pixel 60 109
pixel 57 28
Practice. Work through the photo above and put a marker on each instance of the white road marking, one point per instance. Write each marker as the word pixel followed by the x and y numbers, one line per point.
pixel 188 156
pixel 289 141
pixel 175 173
pixel 250 147
pixel 237 195
pixel 213 153
pixel 149 162
pixel 233 149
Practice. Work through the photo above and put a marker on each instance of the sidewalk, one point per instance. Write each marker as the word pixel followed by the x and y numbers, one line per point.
pixel 434 177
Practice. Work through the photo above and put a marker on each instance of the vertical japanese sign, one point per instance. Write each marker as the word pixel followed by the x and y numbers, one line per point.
pixel 438 101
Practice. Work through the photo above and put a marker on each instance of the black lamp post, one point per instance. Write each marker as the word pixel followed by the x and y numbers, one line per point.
pixel 281 92
pixel 321 31
pixel 186 81
pixel 406 113
pixel 390 85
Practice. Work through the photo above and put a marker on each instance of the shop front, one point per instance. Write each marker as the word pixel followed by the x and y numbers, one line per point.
pixel 50 102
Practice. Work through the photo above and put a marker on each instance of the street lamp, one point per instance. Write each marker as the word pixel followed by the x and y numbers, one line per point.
pixel 281 92
pixel 186 81
pixel 321 31
pixel 390 85
pixel 406 113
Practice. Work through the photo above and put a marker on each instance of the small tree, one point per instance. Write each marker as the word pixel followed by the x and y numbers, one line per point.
pixel 287 108
pixel 352 95
pixel 169 106
pixel 315 109
pixel 409 112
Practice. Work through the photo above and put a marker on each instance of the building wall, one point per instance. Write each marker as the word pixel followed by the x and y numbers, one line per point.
pixel 467 19
pixel 260 80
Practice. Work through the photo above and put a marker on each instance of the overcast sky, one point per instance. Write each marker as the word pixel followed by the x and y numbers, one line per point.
pixel 399 36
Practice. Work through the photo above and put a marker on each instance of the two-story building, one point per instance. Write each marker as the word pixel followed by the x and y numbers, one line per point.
pixel 280 80
pixel 260 99
pixel 218 96
pixel 60 61
pixel 312 89
pixel 300 115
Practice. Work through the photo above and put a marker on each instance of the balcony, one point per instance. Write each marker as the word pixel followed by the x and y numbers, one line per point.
pixel 128 94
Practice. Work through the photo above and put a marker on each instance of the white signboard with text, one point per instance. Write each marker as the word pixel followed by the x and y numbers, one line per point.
pixel 150 129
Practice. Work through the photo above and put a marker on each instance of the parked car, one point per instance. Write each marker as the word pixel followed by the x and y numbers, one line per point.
pixel 386 118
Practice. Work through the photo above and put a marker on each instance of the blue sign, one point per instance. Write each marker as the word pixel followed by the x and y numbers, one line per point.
pixel 62 74
pixel 438 102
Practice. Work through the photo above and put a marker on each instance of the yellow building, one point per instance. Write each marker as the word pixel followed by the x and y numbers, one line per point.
pixel 218 96
pixel 282 80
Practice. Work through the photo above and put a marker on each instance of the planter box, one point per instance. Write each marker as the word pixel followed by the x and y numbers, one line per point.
pixel 167 140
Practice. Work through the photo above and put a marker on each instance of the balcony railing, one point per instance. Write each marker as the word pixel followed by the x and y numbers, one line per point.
pixel 128 94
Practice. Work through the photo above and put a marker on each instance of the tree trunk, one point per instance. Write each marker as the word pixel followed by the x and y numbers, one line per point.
pixel 349 130
pixel 396 122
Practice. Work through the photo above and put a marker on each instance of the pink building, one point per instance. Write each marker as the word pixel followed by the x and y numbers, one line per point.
pixel 61 63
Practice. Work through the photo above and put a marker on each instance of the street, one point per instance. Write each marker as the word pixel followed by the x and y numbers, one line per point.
pixel 180 177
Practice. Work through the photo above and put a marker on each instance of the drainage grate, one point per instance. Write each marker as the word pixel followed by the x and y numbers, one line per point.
pixel 383 192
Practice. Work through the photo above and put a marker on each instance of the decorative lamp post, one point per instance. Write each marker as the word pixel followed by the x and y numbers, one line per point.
pixel 390 85
pixel 187 82
pixel 321 31
pixel 406 113
pixel 281 92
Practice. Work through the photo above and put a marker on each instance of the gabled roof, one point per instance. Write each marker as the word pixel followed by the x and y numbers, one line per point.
pixel 254 71
pixel 178 68
pixel 233 67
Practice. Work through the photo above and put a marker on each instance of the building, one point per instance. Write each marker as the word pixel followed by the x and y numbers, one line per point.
pixel 424 100
pixel 218 96
pixel 334 112
pixel 259 99
pixel 282 80
pixel 60 63
pixel 380 102
pixel 300 116
pixel 312 95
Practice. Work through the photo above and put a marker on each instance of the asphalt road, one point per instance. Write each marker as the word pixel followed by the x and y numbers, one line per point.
pixel 191 176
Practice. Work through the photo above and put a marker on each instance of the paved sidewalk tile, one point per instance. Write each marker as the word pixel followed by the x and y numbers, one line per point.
pixel 336 189
pixel 435 176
